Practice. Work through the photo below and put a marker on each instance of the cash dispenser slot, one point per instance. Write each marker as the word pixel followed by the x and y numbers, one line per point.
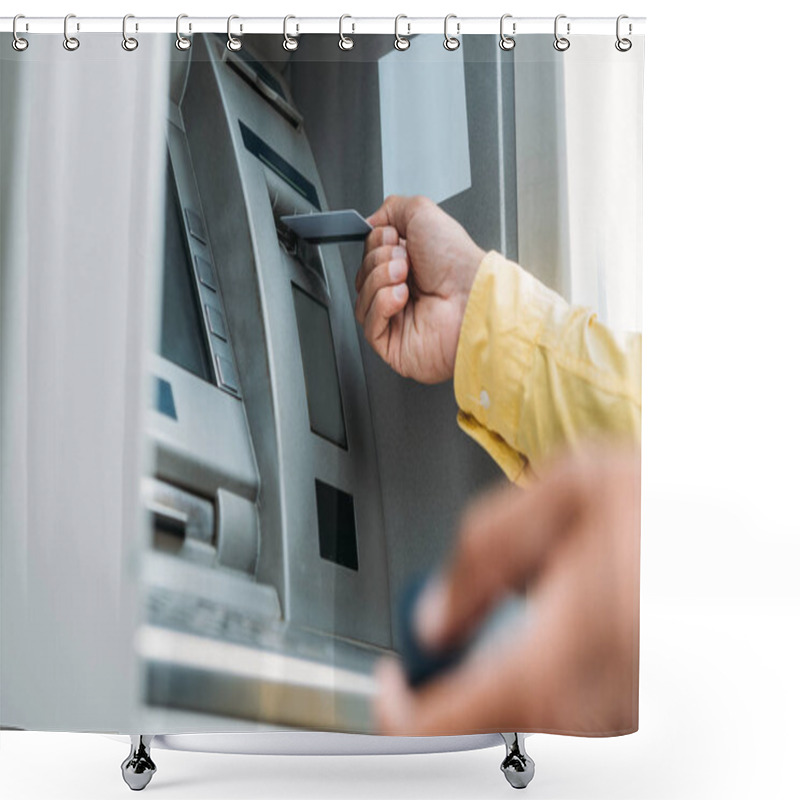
pixel 183 523
pixel 224 531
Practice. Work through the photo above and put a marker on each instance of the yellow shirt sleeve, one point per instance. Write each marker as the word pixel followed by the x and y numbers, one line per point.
pixel 534 374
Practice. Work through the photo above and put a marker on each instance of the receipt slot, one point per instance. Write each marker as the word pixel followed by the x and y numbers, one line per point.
pixel 267 580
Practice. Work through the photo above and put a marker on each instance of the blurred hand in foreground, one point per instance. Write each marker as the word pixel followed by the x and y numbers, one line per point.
pixel 573 539
pixel 418 268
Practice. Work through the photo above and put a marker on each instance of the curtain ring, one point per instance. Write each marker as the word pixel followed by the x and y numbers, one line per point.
pixel 181 42
pixel 451 42
pixel 507 42
pixel 18 43
pixel 345 42
pixel 400 42
pixel 289 42
pixel 623 45
pixel 561 43
pixel 128 42
pixel 71 43
pixel 233 43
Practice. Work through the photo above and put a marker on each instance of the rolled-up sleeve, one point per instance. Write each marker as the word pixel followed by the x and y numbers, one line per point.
pixel 534 374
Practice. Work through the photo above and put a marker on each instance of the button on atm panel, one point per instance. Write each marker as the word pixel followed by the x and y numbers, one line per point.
pixel 195 225
pixel 205 273
pixel 227 373
pixel 216 323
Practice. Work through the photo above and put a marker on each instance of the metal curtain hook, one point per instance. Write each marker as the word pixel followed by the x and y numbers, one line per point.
pixel 561 43
pixel 71 43
pixel 18 43
pixel 289 42
pixel 400 42
pixel 128 42
pixel 623 44
pixel 233 44
pixel 451 42
pixel 345 42
pixel 181 42
pixel 507 42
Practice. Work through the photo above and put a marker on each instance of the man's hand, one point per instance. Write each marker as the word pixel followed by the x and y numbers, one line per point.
pixel 413 285
pixel 573 666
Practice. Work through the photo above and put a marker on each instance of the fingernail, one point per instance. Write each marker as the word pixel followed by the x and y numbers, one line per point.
pixel 429 614
pixel 396 270
pixel 399 252
pixel 388 235
pixel 399 291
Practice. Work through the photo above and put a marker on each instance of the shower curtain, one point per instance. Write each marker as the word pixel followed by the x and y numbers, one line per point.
pixel 320 397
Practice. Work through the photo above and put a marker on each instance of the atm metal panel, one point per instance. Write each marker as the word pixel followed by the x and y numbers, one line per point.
pixel 318 594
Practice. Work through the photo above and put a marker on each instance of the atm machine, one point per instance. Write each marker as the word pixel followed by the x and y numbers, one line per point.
pixel 264 495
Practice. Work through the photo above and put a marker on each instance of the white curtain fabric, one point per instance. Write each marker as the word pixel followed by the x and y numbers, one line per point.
pixel 579 211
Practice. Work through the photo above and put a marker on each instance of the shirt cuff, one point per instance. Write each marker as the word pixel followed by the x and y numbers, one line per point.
pixel 494 354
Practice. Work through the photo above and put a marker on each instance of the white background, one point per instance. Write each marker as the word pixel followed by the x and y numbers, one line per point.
pixel 721 534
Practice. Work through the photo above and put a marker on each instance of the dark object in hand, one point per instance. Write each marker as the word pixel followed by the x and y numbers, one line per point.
pixel 420 663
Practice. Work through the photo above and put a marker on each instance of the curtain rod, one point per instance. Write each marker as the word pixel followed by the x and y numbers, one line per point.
pixel 295 25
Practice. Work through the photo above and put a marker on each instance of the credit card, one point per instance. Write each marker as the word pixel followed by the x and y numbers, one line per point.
pixel 329 227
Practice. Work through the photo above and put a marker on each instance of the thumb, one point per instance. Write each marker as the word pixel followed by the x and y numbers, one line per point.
pixel 396 211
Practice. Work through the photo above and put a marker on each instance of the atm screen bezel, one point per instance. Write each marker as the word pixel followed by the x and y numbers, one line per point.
pixel 320 300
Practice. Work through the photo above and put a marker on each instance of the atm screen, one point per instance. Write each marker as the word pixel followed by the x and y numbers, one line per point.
pixel 182 332
pixel 319 367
